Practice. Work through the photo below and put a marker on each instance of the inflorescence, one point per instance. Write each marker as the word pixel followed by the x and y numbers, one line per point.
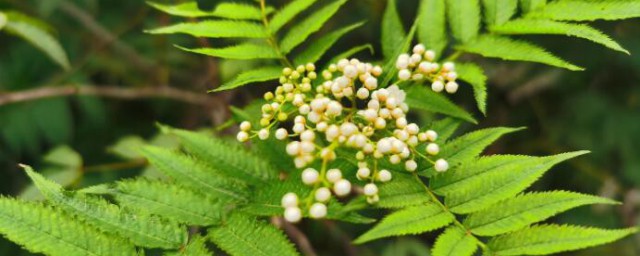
pixel 348 111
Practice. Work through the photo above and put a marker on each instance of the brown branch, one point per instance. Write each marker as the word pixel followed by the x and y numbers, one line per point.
pixel 296 235
pixel 105 91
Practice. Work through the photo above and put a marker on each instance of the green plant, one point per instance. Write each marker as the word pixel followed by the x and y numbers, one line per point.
pixel 229 192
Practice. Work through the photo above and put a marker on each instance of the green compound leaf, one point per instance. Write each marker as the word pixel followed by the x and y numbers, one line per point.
pixel 215 29
pixel 474 75
pixel 245 236
pixel 252 76
pixel 223 10
pixel 301 31
pixel 548 239
pixel 497 12
pixel 320 46
pixel 531 5
pixel 579 10
pixel 521 211
pixel 464 19
pixel 515 50
pixel 196 247
pixel 432 28
pixel 43 229
pixel 549 27
pixel 402 191
pixel 423 98
pixel 243 51
pixel 454 242
pixel 351 52
pixel 142 230
pixel 393 32
pixel 287 13
pixel 412 220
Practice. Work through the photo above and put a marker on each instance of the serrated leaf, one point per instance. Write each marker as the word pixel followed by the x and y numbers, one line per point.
pixel 549 27
pixel 412 220
pixel 225 10
pixel 32 31
pixel 454 242
pixel 497 12
pixel 432 28
pixel 467 147
pixel 464 19
pixel 168 200
pixel 515 50
pixel 393 32
pixel 578 10
pixel 474 75
pixel 531 5
pixel 423 98
pixel 196 247
pixel 478 185
pixel 190 173
pixel 389 66
pixel 243 51
pixel 255 75
pixel 445 128
pixel 245 236
pixel 402 191
pixel 142 230
pixel 3 20
pixel 548 239
pixel 43 229
pixel 521 211
pixel 215 29
pixel 320 46
pixel 351 52
pixel 287 13
pixel 302 30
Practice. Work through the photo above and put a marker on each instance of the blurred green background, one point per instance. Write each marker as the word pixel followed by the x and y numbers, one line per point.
pixel 90 137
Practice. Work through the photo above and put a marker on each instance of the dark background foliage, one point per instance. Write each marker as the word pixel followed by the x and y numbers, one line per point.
pixel 597 109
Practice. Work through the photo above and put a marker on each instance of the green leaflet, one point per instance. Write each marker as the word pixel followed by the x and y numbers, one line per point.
pixel 254 75
pixel 229 159
pixel 546 27
pixel 302 30
pixel 142 230
pixel 351 52
pixel 32 31
pixel 225 10
pixel 445 128
pixel 513 50
pixel 402 191
pixel 318 48
pixel 464 19
pixel 454 242
pixel 66 169
pixel 432 28
pixel 43 229
pixel 474 75
pixel 245 236
pixel 478 185
pixel 423 98
pixel 548 239
pixel 3 20
pixel 393 31
pixel 465 148
pixel 521 211
pixel 190 173
pixel 390 65
pixel 215 29
pixel 196 247
pixel 497 12
pixel 243 51
pixel 168 200
pixel 412 220
pixel 287 13
pixel 531 5
pixel 577 10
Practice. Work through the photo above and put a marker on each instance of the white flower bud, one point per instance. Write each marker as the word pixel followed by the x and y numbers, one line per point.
pixel 310 176
pixel 401 122
pixel 371 83
pixel 404 74
pixel 298 128
pixel 451 87
pixel 451 76
pixel 304 109
pixel 384 176
pixel 334 175
pixel 342 63
pixel 437 86
pixel 342 187
pixel 430 55
pixel 384 145
pixel 373 199
pixel 441 165
pixel 348 128
pixel 242 136
pixel 318 210
pixel 448 66
pixel 431 135
pixel 334 108
pixel 322 126
pixel 425 67
pixel 332 132
pixel 307 147
pixel 293 148
pixel 363 173
pixel 377 71
pixel 395 159
pixel 433 149
pixel 419 49
pixel 410 165
pixel 370 115
pixel 350 71
pixel 385 113
pixel 289 200
pixel 370 189
pixel 412 129
pixel 292 214
pixel 263 134
pixel 362 93
pixel 403 61
pixel 245 126
pixel 373 104
pixel 380 123
pixel 323 194
pixel 307 135
pixel 415 58
pixel 281 134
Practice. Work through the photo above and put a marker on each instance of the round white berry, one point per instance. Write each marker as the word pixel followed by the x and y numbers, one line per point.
pixel 342 187
pixel 318 210
pixel 370 189
pixel 433 149
pixel 307 135
pixel 413 129
pixel 451 87
pixel 334 175
pixel 441 165
pixel 323 194
pixel 363 173
pixel 263 134
pixel 419 49
pixel 448 66
pixel 281 134
pixel 430 55
pixel 437 86
pixel 242 136
pixel 404 74
pixel 371 83
pixel 394 159
pixel 293 148
pixel 403 61
pixel 384 176
pixel 245 126
pixel 362 93
pixel 410 165
pixel 289 200
pixel 431 135
pixel 292 214
pixel 377 71
pixel 334 108
pixel 310 176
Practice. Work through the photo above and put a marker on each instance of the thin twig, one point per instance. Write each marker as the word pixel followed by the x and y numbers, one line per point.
pixel 298 237
pixel 104 91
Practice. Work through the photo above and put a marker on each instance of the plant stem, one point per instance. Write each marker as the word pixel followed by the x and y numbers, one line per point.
pixel 272 39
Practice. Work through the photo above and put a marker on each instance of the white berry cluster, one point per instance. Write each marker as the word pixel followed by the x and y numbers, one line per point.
pixel 421 66
pixel 349 111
